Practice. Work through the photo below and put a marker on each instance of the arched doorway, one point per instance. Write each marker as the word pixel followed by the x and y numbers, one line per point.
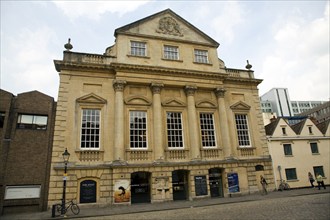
pixel 180 184
pixel 215 180
pixel 140 187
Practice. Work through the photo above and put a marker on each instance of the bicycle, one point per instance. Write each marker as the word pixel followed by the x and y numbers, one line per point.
pixel 73 206
pixel 283 186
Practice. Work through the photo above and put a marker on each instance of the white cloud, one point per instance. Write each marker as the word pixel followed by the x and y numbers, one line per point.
pixel 229 17
pixel 29 66
pixel 94 9
pixel 301 58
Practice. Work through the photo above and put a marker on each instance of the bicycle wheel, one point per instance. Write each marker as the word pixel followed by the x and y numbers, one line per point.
pixel 280 187
pixel 287 186
pixel 58 208
pixel 75 209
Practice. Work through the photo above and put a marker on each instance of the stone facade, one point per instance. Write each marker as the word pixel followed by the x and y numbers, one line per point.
pixel 162 112
pixel 25 150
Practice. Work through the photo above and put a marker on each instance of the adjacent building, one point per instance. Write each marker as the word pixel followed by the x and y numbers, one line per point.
pixel 277 100
pixel 157 117
pixel 26 130
pixel 298 149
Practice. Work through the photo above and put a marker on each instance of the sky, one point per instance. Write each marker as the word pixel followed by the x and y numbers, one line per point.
pixel 286 42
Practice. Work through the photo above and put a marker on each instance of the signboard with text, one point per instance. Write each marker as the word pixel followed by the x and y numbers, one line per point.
pixel 233 185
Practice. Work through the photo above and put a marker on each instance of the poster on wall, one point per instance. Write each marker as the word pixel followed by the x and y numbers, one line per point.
pixel 88 191
pixel 200 185
pixel 122 192
pixel 22 192
pixel 233 185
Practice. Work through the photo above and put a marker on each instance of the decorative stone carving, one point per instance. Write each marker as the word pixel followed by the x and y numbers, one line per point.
pixel 190 90
pixel 168 25
pixel 220 92
pixel 156 87
pixel 119 85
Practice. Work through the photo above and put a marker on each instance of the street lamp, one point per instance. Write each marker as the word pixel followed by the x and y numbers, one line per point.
pixel 66 156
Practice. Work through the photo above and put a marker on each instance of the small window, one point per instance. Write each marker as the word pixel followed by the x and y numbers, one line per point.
pixel 314 148
pixel 2 119
pixel 38 122
pixel 291 174
pixel 138 48
pixel 310 130
pixel 283 131
pixel 287 149
pixel 201 56
pixel 318 170
pixel 171 52
pixel 259 167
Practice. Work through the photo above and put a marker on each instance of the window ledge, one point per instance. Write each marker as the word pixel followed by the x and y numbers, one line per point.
pixel 180 61
pixel 288 155
pixel 315 153
pixel 145 57
pixel 294 180
pixel 209 64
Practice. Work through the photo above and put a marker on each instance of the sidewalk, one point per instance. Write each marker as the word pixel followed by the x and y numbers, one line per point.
pixel 147 207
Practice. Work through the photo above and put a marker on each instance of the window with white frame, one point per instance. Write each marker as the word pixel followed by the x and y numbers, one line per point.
pixel 201 56
pixel 207 129
pixel 138 129
pixel 174 129
pixel 171 52
pixel 90 129
pixel 242 128
pixel 138 48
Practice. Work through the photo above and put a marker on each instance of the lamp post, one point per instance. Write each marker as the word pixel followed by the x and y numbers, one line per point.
pixel 66 156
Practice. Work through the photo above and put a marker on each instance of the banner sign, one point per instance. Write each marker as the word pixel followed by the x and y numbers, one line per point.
pixel 233 185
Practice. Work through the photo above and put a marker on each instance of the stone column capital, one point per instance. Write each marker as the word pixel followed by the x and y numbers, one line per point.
pixel 220 92
pixel 190 90
pixel 156 87
pixel 119 85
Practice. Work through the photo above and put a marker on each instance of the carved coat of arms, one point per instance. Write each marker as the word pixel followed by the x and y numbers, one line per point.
pixel 168 25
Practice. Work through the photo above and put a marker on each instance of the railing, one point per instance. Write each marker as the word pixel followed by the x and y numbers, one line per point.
pixel 240 73
pixel 211 153
pixel 92 58
pixel 177 154
pixel 90 155
pixel 246 152
pixel 138 155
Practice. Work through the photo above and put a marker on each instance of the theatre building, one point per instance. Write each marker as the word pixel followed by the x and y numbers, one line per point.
pixel 157 117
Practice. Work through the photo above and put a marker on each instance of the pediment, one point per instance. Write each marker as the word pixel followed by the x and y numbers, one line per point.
pixel 166 24
pixel 173 103
pixel 137 100
pixel 91 98
pixel 206 104
pixel 240 106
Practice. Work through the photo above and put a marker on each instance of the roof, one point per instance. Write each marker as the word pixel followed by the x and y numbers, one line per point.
pixel 270 128
pixel 123 29
pixel 323 126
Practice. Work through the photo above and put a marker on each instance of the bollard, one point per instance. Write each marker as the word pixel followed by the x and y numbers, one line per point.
pixel 53 211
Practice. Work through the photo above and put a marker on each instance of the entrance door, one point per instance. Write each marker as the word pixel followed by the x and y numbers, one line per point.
pixel 215 180
pixel 140 187
pixel 180 184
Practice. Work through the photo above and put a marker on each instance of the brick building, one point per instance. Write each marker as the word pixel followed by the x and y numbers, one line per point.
pixel 26 130
pixel 157 117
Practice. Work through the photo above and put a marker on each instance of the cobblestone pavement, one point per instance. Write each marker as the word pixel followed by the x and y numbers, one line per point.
pixel 305 203
pixel 301 207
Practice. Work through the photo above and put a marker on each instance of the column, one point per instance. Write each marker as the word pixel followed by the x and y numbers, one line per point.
pixel 192 122
pixel 220 93
pixel 119 149
pixel 157 121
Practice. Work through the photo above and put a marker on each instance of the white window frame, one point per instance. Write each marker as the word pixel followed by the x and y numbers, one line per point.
pixel 99 129
pixel 171 52
pixel 171 132
pixel 201 56
pixel 138 48
pixel 207 130
pixel 142 133
pixel 243 131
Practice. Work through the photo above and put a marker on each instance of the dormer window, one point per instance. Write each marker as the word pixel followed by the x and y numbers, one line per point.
pixel 310 130
pixel 138 48
pixel 201 56
pixel 283 131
